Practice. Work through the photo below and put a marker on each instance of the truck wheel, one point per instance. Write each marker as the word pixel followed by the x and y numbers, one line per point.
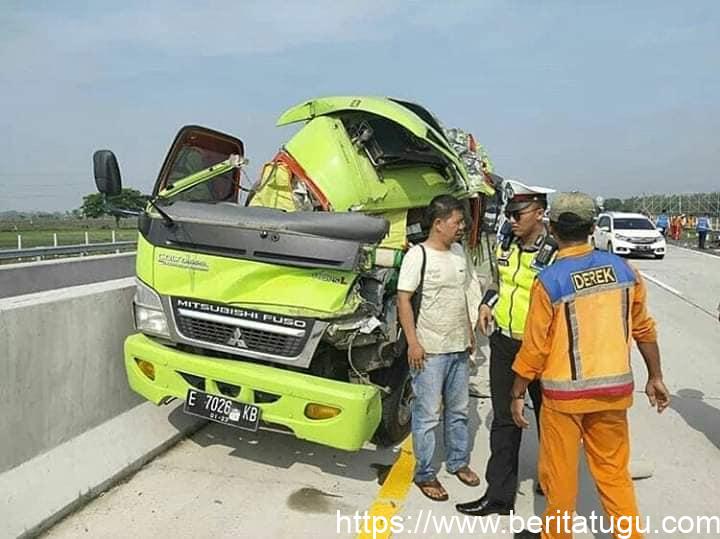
pixel 396 405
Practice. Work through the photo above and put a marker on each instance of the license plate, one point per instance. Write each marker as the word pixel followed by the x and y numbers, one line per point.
pixel 644 247
pixel 222 410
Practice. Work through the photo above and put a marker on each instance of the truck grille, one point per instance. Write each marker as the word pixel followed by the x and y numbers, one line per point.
pixel 257 341
pixel 235 333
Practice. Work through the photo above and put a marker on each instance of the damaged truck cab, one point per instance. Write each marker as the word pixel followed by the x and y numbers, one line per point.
pixel 275 307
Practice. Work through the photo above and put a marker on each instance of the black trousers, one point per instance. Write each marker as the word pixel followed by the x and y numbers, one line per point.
pixel 502 468
pixel 702 235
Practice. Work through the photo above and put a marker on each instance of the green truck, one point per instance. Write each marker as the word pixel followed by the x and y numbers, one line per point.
pixel 275 306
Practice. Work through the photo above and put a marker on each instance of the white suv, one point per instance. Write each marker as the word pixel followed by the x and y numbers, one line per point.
pixel 628 233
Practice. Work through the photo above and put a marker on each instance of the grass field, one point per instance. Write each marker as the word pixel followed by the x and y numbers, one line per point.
pixel 39 233
pixel 44 238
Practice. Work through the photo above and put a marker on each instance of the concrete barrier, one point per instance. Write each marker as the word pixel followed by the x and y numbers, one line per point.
pixel 69 423
pixel 29 277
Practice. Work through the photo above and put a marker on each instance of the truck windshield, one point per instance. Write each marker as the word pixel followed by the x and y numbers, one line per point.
pixel 191 159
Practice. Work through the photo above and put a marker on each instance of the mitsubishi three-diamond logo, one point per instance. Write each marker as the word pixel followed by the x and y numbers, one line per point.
pixel 236 339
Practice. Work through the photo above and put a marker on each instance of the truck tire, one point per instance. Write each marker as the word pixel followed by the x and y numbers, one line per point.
pixel 396 405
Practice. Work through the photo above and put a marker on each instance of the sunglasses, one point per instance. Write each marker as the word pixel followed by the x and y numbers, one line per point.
pixel 517 214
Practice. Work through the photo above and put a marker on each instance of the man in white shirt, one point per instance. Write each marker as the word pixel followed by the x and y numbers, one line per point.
pixel 439 338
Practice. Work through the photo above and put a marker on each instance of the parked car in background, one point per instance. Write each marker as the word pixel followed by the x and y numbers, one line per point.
pixel 628 233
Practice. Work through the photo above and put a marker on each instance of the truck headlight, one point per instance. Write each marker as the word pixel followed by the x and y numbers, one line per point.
pixel 149 315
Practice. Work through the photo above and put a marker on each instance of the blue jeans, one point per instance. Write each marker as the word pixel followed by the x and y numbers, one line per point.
pixel 443 380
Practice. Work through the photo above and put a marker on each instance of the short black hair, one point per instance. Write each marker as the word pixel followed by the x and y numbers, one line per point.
pixel 569 227
pixel 442 207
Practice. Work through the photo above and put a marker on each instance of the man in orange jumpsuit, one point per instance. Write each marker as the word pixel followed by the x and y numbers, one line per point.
pixel 585 310
pixel 676 227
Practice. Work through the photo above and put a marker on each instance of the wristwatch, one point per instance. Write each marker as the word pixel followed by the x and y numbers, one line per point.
pixel 490 298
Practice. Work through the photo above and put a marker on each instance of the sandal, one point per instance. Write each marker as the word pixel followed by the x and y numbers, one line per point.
pixel 467 476
pixel 433 490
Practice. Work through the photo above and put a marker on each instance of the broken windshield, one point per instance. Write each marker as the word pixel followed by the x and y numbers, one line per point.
pixel 192 159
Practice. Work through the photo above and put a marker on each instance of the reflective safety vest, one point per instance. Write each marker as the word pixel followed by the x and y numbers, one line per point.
pixel 516 275
pixel 592 296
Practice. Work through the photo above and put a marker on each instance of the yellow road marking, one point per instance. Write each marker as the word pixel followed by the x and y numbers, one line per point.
pixel 393 492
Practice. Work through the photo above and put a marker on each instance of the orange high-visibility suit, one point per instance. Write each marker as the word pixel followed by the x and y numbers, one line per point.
pixel 676 227
pixel 585 310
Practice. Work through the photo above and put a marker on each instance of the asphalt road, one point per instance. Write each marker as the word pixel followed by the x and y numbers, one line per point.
pixel 226 483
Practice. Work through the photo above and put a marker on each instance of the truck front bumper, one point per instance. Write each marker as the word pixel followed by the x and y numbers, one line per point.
pixel 282 395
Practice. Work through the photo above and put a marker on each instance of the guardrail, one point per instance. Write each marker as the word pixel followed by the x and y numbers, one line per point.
pixel 62 250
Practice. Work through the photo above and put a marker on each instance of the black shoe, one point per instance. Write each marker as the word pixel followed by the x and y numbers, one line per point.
pixel 526 534
pixel 484 507
pixel 469 505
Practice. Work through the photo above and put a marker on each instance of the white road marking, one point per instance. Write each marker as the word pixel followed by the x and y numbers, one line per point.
pixel 661 284
pixel 716 257
pixel 677 293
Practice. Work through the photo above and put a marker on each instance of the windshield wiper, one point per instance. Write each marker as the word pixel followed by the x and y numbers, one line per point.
pixel 168 220
pixel 183 184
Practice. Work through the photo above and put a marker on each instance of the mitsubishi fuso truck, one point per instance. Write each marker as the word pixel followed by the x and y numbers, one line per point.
pixel 273 305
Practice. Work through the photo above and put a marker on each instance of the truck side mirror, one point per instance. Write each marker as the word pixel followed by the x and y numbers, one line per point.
pixel 107 173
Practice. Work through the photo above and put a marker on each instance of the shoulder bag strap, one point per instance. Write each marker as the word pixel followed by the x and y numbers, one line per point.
pixel 417 296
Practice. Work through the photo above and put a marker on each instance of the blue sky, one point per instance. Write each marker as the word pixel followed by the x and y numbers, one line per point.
pixel 614 98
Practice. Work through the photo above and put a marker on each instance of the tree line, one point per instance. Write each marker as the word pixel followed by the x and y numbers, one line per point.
pixel 97 205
